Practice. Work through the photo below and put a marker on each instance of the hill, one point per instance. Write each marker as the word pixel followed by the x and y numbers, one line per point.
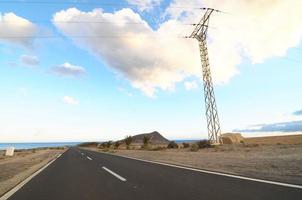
pixel 155 138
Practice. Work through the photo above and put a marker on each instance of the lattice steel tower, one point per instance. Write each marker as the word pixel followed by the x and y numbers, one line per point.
pixel 200 33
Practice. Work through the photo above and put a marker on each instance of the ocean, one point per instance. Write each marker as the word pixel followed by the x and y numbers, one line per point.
pixel 36 145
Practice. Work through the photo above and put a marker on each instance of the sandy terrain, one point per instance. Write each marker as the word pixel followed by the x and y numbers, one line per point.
pixel 15 169
pixel 288 139
pixel 272 162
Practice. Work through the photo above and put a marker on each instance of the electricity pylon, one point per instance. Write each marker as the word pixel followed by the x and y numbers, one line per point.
pixel 200 33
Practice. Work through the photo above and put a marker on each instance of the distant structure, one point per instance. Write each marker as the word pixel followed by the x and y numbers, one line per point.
pixel 200 33
pixel 10 151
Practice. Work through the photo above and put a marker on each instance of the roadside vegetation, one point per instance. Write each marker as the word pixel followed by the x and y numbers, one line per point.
pixel 172 145
pixel 127 143
pixel 185 145
pixel 146 141
pixel 117 144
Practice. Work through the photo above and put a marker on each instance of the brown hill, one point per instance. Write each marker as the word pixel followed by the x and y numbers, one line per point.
pixel 155 138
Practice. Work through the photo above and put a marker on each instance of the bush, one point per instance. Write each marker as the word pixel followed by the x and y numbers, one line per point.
pixel 145 147
pixel 128 140
pixel 185 145
pixel 204 144
pixel 146 140
pixel 194 147
pixel 102 145
pixel 108 144
pixel 172 145
pixel 117 144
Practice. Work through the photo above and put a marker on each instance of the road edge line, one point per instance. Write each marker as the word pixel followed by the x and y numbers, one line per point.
pixel 22 183
pixel 210 172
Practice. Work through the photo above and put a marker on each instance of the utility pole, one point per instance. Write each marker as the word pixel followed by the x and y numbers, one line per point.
pixel 200 33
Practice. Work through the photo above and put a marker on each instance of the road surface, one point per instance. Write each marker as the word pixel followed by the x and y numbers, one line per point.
pixel 85 175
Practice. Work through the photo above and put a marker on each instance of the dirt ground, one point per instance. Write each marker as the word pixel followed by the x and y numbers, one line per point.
pixel 272 162
pixel 286 139
pixel 15 169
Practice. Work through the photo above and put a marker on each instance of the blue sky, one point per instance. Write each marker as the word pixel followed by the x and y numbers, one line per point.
pixel 64 88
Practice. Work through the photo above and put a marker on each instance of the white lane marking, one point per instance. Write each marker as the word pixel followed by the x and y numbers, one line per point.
pixel 88 158
pixel 83 154
pixel 215 173
pixel 20 185
pixel 115 174
pixel 59 156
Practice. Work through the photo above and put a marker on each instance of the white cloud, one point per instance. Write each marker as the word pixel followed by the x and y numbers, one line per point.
pixel 144 4
pixel 256 30
pixel 147 58
pixel 68 69
pixel 191 85
pixel 29 60
pixel 70 100
pixel 13 26
pixel 157 59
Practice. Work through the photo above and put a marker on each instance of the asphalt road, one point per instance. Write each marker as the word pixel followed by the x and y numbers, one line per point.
pixel 85 175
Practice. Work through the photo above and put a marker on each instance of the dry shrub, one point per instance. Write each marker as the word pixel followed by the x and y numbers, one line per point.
pixel 172 145
pixel 194 147
pixel 202 144
pixel 185 145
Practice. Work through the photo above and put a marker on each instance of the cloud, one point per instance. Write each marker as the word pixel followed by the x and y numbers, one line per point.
pixel 256 30
pixel 70 100
pixel 144 4
pixel 68 69
pixel 191 85
pixel 13 26
pixel 29 60
pixel 292 126
pixel 299 112
pixel 157 59
pixel 147 58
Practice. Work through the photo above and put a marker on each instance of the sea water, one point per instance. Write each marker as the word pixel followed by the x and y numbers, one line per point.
pixel 36 145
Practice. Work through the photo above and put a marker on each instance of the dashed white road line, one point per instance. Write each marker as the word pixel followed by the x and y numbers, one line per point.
pixel 83 154
pixel 115 174
pixel 88 158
